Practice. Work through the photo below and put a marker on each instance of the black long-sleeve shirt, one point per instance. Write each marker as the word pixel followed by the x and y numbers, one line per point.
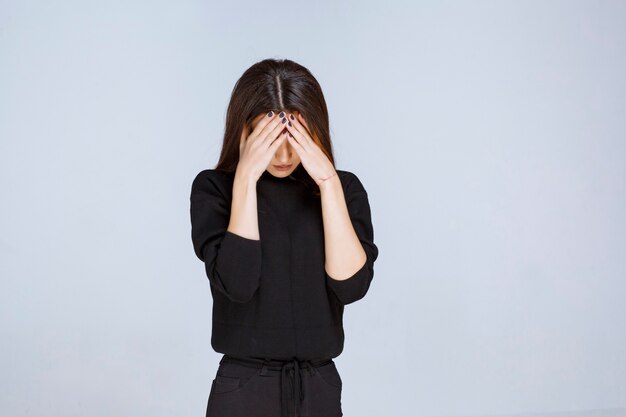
pixel 272 297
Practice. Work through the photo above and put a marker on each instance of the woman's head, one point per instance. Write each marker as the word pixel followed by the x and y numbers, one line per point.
pixel 277 85
pixel 284 155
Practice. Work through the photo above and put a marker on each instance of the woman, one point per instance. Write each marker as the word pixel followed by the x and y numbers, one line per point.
pixel 287 242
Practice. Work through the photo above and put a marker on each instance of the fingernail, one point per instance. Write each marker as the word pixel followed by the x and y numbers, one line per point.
pixel 284 120
pixel 281 114
pixel 270 113
pixel 289 123
pixel 293 118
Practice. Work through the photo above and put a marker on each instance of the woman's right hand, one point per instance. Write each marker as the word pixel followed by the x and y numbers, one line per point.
pixel 257 149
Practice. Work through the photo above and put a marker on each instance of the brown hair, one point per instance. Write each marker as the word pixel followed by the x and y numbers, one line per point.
pixel 278 85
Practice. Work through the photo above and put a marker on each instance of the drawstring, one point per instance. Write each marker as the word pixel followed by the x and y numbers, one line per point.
pixel 291 380
pixel 292 368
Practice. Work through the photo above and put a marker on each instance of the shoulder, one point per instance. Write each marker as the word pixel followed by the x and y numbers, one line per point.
pixel 350 182
pixel 211 174
pixel 212 180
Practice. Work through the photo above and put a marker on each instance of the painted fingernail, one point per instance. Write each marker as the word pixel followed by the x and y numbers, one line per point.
pixel 281 114
pixel 289 123
pixel 284 132
pixel 293 118
pixel 284 120
pixel 270 113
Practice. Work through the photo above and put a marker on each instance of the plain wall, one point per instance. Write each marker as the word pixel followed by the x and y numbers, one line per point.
pixel 490 135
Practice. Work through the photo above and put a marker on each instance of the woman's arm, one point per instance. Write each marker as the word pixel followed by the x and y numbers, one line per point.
pixel 225 231
pixel 349 246
pixel 244 219
pixel 232 261
pixel 349 238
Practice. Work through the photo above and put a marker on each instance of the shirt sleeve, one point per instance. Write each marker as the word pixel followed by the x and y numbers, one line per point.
pixel 232 262
pixel 355 287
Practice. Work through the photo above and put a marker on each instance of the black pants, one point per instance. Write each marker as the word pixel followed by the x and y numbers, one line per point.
pixel 254 387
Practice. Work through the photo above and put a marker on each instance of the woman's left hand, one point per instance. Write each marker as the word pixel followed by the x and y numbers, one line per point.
pixel 312 158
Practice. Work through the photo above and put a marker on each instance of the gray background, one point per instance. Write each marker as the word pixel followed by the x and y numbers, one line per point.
pixel 489 135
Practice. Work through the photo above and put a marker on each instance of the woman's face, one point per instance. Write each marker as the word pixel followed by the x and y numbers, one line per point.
pixel 285 154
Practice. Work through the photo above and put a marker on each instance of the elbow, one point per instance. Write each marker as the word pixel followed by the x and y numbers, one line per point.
pixel 235 268
pixel 241 295
pixel 237 287
pixel 353 288
pixel 241 298
pixel 352 298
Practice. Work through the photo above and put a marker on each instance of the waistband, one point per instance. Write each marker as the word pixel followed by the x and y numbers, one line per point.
pixel 290 375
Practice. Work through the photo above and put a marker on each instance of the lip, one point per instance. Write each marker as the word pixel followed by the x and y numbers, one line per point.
pixel 283 167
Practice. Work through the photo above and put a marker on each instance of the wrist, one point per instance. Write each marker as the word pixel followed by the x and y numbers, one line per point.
pixel 330 182
pixel 244 177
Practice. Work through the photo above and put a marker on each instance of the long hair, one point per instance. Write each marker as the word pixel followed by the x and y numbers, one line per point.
pixel 278 85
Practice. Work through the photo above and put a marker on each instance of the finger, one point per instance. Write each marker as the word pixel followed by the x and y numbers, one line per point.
pixel 299 132
pixel 273 128
pixel 296 145
pixel 301 120
pixel 276 144
pixel 274 133
pixel 301 128
pixel 266 124
pixel 245 135
pixel 281 138
pixel 304 126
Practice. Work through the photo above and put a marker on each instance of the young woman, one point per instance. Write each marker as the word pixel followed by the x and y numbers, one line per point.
pixel 287 242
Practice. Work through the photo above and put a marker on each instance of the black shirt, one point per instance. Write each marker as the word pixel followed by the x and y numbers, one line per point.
pixel 272 297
